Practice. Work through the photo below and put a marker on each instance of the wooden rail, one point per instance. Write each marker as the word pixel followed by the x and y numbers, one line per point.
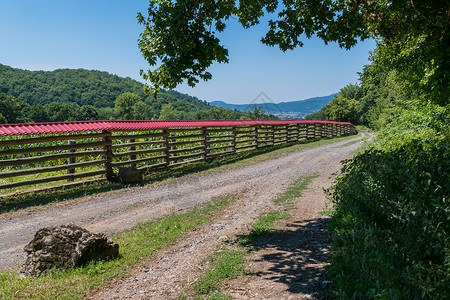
pixel 68 157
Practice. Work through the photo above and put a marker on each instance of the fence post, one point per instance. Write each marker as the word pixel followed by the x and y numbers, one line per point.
pixel 203 143
pixel 133 156
pixel 256 136
pixel 108 155
pixel 272 134
pixel 233 142
pixel 165 136
pixel 172 138
pixel 71 160
pixel 324 130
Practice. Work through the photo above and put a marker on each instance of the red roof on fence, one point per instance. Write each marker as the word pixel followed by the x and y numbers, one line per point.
pixel 123 125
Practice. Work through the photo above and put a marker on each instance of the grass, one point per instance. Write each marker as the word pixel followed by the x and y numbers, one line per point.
pixel 294 190
pixel 239 160
pixel 226 263
pixel 136 245
pixel 230 263
pixel 265 225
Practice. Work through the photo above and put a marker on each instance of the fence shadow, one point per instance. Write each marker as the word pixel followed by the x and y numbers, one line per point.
pixel 59 194
pixel 297 257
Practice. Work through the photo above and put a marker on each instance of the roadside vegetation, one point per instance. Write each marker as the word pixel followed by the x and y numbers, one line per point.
pixel 136 245
pixel 392 213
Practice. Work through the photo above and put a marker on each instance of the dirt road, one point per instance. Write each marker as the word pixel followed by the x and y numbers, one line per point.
pixel 113 211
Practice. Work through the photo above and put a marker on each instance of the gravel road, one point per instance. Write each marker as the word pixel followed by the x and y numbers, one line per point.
pixel 114 211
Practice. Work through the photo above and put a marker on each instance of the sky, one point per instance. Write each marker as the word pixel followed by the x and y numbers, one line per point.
pixel 102 35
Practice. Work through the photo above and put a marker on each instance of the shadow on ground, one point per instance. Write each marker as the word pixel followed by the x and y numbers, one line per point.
pixel 297 257
pixel 59 194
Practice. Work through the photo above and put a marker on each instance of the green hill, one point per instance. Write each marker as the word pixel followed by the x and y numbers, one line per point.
pixel 85 87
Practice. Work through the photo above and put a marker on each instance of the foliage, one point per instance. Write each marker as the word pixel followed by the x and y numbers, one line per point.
pixel 31 95
pixel 343 107
pixel 318 115
pixel 258 114
pixel 128 106
pixel 59 112
pixel 392 212
pixel 87 113
pixel 413 36
pixel 419 121
pixel 11 108
pixel 168 112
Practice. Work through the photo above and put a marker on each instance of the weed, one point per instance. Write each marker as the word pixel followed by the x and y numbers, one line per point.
pixel 295 189
pixel 225 263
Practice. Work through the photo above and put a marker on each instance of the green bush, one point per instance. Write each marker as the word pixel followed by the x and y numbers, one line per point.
pixel 391 223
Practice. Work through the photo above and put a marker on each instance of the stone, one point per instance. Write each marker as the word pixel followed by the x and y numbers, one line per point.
pixel 65 246
pixel 129 175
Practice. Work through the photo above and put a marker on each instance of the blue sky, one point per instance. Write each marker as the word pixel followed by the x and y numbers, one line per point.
pixel 102 35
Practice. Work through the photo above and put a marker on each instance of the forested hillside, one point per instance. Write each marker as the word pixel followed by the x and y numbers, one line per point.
pixel 69 94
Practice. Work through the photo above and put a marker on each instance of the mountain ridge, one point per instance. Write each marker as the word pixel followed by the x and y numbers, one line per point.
pixel 303 107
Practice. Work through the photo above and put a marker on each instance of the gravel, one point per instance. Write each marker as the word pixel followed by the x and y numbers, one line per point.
pixel 114 211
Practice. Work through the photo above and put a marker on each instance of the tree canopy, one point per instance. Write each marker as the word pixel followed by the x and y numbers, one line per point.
pixel 413 36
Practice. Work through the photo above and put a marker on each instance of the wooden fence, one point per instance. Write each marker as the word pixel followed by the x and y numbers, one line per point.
pixel 75 157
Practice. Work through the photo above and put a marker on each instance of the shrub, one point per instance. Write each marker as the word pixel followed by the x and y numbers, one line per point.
pixel 391 223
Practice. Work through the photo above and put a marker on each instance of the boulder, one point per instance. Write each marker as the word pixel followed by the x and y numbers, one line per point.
pixel 129 175
pixel 65 246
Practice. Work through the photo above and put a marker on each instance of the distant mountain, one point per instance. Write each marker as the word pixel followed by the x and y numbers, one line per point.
pixel 301 107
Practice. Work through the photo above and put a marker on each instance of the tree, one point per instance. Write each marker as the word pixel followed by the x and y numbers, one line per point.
pixel 342 109
pixel 413 36
pixel 83 87
pixel 37 113
pixel 12 109
pixel 168 112
pixel 3 119
pixel 142 111
pixel 124 106
pixel 318 115
pixel 220 113
pixel 60 112
pixel 87 113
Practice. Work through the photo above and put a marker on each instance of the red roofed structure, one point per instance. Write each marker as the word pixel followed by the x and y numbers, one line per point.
pixel 124 125
pixel 85 150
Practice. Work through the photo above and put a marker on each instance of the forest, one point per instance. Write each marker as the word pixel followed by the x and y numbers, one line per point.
pixel 80 95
